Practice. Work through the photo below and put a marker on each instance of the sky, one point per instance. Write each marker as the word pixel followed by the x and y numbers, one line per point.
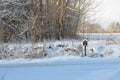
pixel 109 12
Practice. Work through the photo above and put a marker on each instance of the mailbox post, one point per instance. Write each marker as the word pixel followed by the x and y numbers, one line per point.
pixel 85 43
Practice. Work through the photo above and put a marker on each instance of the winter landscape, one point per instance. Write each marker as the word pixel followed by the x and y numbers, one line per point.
pixel 64 60
pixel 44 40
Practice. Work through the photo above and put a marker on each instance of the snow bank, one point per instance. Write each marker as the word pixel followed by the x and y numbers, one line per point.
pixel 40 50
pixel 96 48
pixel 104 48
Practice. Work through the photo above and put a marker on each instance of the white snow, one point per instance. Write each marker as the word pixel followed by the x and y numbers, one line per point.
pixel 61 68
pixel 62 61
pixel 95 48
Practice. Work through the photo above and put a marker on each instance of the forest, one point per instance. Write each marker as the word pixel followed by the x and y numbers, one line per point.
pixel 39 20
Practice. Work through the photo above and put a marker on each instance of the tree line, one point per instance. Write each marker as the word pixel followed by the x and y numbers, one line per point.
pixel 113 27
pixel 36 20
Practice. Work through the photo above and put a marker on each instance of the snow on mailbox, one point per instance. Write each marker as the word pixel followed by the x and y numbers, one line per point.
pixel 85 43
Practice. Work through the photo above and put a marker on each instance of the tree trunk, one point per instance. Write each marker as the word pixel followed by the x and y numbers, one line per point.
pixel 57 17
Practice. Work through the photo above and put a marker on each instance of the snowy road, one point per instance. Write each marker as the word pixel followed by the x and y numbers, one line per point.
pixel 61 71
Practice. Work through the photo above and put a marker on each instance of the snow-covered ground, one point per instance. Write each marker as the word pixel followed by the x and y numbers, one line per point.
pixel 60 60
pixel 100 36
pixel 61 68
pixel 95 48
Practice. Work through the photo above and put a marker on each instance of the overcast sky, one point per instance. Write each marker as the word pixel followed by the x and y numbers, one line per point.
pixel 109 12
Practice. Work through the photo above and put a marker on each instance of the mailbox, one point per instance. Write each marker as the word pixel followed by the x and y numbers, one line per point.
pixel 85 42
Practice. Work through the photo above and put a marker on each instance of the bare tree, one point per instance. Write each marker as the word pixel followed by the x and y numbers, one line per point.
pixel 13 19
pixel 37 20
pixel 114 27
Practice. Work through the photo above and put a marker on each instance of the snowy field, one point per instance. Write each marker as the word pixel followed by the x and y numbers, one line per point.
pixel 100 36
pixel 60 60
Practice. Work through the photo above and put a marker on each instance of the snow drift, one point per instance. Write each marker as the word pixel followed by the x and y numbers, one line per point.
pixel 59 48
